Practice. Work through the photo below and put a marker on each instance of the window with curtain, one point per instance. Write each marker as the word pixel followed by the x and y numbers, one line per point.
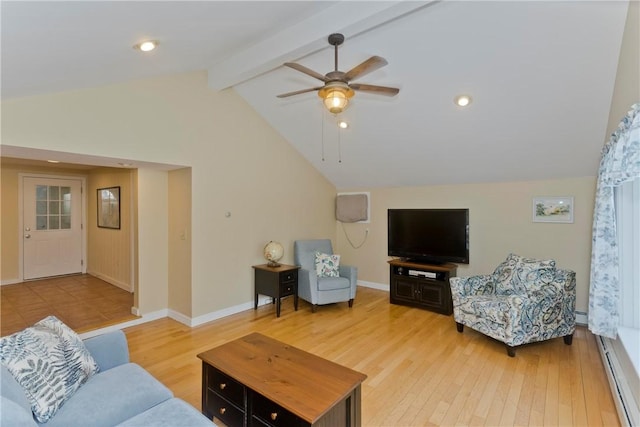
pixel 619 169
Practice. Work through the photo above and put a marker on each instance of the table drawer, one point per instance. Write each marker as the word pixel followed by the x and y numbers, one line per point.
pixel 225 386
pixel 289 276
pixel 271 414
pixel 224 410
pixel 287 289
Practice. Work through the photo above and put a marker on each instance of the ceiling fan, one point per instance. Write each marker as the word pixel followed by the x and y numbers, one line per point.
pixel 337 89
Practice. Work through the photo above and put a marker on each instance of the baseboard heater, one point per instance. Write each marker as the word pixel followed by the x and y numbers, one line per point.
pixel 626 404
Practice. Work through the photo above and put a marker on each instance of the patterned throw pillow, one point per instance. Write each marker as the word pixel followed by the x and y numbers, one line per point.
pixel 50 362
pixel 504 274
pixel 516 275
pixel 532 274
pixel 327 265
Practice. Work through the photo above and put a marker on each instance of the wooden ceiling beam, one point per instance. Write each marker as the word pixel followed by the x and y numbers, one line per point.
pixel 306 37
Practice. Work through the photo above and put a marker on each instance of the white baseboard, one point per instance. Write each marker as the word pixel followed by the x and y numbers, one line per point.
pixel 177 316
pixel 374 285
pixel 581 318
pixel 10 282
pixel 209 317
pixel 122 285
pixel 620 382
pixel 143 319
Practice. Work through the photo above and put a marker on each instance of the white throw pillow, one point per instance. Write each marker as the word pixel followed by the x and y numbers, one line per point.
pixel 327 265
pixel 50 362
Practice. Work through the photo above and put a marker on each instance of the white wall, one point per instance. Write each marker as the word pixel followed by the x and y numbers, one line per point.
pixel 239 165
pixel 153 234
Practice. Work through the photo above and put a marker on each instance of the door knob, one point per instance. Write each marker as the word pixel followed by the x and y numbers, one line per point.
pixel 27 236
pixel 27 229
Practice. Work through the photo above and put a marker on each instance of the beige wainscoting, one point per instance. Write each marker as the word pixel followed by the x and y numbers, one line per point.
pixel 109 250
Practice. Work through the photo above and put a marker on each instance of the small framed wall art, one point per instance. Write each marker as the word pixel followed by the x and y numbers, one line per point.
pixel 553 209
pixel 109 207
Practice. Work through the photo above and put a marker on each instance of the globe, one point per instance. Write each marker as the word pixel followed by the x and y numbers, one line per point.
pixel 273 252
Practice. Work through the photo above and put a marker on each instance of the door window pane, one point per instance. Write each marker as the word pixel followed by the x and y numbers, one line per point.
pixel 54 193
pixel 53 207
pixel 41 208
pixel 41 192
pixel 41 222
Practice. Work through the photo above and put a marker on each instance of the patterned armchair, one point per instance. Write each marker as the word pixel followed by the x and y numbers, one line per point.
pixel 524 300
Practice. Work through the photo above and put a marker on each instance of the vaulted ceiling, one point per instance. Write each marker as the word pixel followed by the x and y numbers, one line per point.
pixel 540 73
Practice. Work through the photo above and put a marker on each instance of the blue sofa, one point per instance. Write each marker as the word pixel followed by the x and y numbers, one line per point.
pixel 121 394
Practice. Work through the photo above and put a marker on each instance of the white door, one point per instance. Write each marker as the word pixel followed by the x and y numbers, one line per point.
pixel 52 227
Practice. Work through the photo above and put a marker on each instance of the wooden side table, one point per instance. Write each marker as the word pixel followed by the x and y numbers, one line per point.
pixel 276 282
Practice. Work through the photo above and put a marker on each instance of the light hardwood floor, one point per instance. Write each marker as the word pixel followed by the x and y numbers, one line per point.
pixel 81 301
pixel 421 371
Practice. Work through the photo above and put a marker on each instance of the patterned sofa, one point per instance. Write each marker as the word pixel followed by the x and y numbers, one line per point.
pixel 524 300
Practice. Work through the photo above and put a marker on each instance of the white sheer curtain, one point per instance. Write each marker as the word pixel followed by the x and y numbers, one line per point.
pixel 628 225
pixel 620 163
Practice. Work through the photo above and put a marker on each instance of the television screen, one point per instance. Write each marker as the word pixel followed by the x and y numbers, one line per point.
pixel 429 235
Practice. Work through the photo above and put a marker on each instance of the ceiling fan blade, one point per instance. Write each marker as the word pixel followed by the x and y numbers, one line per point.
pixel 379 90
pixel 306 70
pixel 366 67
pixel 297 92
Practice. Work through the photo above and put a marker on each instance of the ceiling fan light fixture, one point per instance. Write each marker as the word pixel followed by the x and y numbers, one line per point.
pixel 336 102
pixel 336 97
pixel 337 89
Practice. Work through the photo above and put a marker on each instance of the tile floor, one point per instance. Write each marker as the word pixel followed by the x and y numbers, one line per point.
pixel 82 301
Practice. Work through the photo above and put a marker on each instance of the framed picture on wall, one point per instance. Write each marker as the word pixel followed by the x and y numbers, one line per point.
pixel 553 209
pixel 109 207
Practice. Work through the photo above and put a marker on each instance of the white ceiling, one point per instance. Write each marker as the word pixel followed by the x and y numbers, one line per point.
pixel 541 75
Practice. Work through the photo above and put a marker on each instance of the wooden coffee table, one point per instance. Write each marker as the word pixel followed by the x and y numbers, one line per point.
pixel 259 381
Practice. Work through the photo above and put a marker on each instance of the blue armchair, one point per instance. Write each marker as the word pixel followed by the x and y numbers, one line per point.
pixel 322 290
pixel 524 300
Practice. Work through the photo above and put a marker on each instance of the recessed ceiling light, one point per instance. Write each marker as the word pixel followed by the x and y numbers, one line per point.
pixel 53 161
pixel 146 46
pixel 462 100
pixel 343 125
pixel 126 165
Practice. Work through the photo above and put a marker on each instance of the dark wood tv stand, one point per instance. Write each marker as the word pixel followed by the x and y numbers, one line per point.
pixel 421 285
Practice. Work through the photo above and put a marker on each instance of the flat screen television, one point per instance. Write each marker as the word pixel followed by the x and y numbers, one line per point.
pixel 429 235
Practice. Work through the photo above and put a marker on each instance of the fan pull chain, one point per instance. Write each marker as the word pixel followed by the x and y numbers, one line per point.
pixel 322 131
pixel 339 141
